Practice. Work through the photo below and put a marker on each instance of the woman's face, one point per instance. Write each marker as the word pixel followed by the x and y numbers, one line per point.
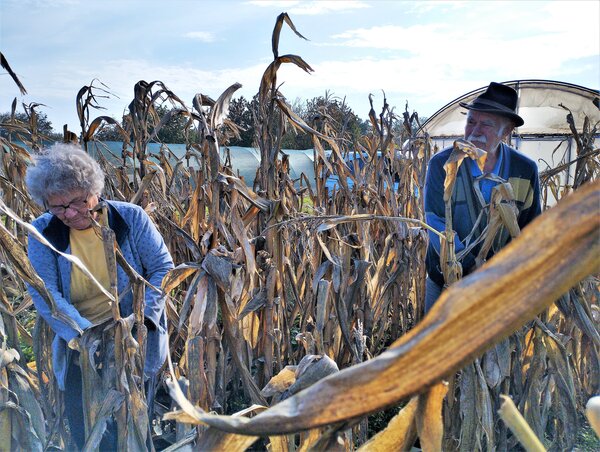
pixel 73 208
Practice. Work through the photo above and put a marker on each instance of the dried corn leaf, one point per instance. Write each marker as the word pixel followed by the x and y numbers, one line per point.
pixel 469 317
pixel 430 427
pixel 462 149
pixel 176 276
pixel 468 409
pixel 484 409
pixel 400 433
pixel 242 236
pixel 269 77
pixel 96 123
pixel 158 173
pixel 7 356
pixel 592 411
pixel 261 203
pixel 280 382
pixel 311 369
pixel 255 303
pixel 496 364
pixel 283 17
pixel 112 401
pixel 221 108
pixel 6 66
pixel 213 439
pixel 219 268
pixel 511 416
pixel 196 322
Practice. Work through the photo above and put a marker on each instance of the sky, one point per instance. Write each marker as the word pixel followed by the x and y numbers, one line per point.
pixel 422 54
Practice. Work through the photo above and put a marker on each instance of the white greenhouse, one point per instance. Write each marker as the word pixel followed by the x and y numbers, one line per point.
pixel 545 137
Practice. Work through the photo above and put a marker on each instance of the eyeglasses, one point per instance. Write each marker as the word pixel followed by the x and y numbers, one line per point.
pixel 76 204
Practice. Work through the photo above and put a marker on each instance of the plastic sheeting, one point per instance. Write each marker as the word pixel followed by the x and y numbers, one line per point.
pixel 545 137
pixel 244 161
pixel 539 105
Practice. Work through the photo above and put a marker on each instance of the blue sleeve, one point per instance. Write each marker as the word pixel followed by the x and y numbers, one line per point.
pixel 156 262
pixel 45 263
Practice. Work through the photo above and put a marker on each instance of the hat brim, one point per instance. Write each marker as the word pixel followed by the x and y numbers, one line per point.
pixel 495 111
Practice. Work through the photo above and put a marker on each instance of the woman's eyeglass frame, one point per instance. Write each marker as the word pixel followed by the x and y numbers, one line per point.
pixel 77 204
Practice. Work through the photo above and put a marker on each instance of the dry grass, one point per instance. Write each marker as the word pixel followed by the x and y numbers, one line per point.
pixel 266 299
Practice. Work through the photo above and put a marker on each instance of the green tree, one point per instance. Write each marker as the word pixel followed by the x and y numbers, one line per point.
pixel 109 132
pixel 293 139
pixel 325 114
pixel 240 113
pixel 174 130
pixel 44 126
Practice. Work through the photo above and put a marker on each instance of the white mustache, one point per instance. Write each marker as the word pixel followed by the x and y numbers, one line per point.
pixel 479 138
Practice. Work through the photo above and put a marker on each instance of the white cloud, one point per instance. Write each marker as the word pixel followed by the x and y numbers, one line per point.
pixel 574 16
pixel 313 7
pixel 392 36
pixel 434 5
pixel 273 3
pixel 318 7
pixel 443 45
pixel 204 36
pixel 428 80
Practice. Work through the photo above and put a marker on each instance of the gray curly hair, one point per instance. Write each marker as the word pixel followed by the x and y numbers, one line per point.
pixel 60 169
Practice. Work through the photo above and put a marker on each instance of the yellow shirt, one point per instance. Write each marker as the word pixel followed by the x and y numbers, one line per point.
pixel 85 295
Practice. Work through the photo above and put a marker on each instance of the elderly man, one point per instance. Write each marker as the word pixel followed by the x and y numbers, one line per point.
pixel 490 120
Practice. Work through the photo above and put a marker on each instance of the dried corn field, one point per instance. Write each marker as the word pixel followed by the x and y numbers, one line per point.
pixel 294 312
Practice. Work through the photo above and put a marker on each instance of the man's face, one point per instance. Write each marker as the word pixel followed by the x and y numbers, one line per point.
pixel 486 130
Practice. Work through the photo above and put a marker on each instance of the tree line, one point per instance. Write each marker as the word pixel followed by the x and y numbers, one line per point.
pixel 319 113
pixel 242 112
pixel 9 125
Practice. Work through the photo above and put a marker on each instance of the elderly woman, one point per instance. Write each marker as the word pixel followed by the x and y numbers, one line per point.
pixel 68 183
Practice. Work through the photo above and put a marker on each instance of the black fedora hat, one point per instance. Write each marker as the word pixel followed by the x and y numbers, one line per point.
pixel 497 99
